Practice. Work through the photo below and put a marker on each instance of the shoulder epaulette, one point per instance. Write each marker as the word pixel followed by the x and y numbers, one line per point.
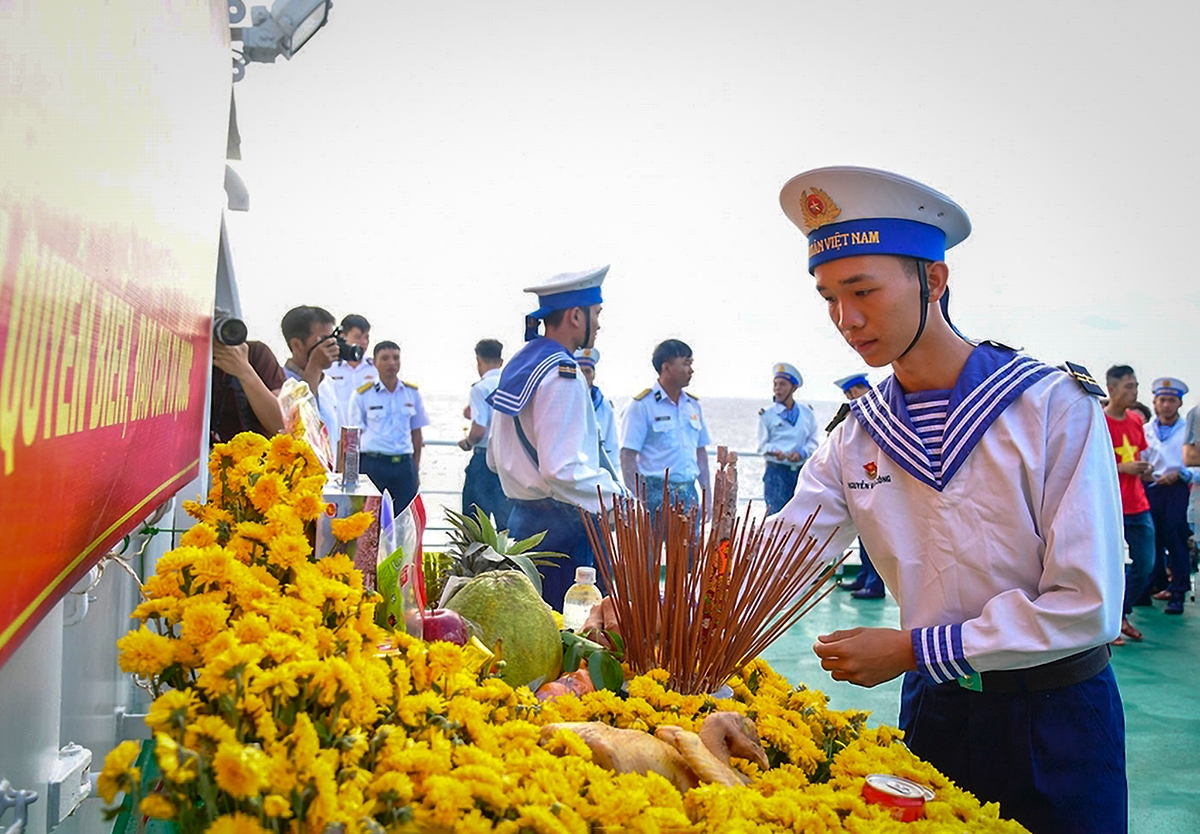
pixel 761 412
pixel 693 396
pixel 642 395
pixel 567 370
pixel 365 387
pixel 409 384
pixel 841 415
pixel 1086 381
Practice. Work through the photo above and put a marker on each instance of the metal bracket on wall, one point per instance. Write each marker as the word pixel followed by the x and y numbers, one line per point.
pixel 20 800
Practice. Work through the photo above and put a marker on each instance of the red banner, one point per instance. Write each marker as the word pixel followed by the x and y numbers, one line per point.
pixel 113 129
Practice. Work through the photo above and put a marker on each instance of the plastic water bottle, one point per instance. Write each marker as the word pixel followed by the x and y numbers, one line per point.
pixel 580 598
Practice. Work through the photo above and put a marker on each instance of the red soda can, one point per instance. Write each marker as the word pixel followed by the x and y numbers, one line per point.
pixel 903 797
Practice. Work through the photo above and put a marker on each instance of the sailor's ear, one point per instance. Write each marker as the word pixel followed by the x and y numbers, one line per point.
pixel 937 274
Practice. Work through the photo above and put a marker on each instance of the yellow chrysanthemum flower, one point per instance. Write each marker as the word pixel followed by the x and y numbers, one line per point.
pixel 156 806
pixel 118 771
pixel 145 653
pixel 348 529
pixel 238 823
pixel 241 770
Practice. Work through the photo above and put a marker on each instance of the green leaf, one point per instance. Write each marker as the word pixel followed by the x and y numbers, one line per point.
pixel 571 658
pixel 611 673
pixel 527 544
pixel 618 649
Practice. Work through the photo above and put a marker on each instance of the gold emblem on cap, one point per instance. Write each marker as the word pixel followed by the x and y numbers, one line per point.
pixel 818 207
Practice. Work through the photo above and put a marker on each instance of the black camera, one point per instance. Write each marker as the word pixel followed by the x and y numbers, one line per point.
pixel 229 330
pixel 346 351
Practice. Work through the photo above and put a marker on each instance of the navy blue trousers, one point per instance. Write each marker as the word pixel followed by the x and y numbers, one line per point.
pixel 1054 760
pixel 395 473
pixel 1139 535
pixel 565 533
pixel 1168 508
pixel 678 492
pixel 872 581
pixel 779 485
pixel 481 488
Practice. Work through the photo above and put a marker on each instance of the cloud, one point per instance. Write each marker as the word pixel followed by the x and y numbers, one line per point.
pixel 1101 323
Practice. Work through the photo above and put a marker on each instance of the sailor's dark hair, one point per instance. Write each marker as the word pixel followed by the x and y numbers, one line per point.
pixel 385 345
pixel 355 320
pixel 1117 372
pixel 667 351
pixel 298 322
pixel 490 350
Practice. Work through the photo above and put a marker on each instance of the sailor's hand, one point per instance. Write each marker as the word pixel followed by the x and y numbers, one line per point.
pixel 1135 467
pixel 866 656
pixel 602 620
pixel 467 411
pixel 234 361
pixel 1167 479
pixel 776 455
pixel 465 445
pixel 323 354
pixel 793 457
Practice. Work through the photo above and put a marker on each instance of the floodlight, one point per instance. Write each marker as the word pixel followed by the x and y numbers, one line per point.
pixel 283 30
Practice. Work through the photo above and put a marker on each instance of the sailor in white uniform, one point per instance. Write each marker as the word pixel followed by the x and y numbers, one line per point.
pixel 787 436
pixel 983 483
pixel 545 441
pixel 606 417
pixel 1167 491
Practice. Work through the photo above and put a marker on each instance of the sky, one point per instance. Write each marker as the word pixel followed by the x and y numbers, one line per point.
pixel 421 163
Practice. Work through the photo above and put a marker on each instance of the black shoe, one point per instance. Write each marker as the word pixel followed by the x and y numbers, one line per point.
pixel 1144 601
pixel 1175 606
pixel 856 585
pixel 863 593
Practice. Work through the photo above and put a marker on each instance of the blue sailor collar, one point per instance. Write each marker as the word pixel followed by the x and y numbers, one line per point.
pixel 597 397
pixel 525 371
pixel 989 383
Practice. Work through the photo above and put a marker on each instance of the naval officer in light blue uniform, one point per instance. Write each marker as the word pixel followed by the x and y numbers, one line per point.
pixel 868 584
pixel 983 483
pixel 545 440
pixel 787 437
pixel 663 434
pixel 392 416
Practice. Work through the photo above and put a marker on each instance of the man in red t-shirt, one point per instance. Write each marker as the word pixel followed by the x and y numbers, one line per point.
pixel 1129 441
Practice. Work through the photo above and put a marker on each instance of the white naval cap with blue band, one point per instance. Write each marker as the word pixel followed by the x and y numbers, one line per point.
pixel 587 357
pixel 846 211
pixel 562 292
pixel 791 373
pixel 1170 385
pixel 848 382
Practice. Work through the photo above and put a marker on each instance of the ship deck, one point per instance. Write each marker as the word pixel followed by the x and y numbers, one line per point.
pixel 1159 681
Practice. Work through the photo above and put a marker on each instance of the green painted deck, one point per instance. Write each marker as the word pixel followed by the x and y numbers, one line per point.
pixel 1160 686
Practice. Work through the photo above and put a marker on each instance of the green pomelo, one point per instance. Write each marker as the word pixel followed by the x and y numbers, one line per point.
pixel 507 608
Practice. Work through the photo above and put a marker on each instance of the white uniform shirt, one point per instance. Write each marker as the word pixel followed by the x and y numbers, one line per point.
pixel 481 412
pixel 346 379
pixel 1166 455
pixel 665 435
pixel 606 419
pixel 776 434
pixel 388 418
pixel 1191 437
pixel 1017 561
pixel 560 423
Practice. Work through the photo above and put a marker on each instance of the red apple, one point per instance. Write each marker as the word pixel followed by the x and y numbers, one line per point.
pixel 444 624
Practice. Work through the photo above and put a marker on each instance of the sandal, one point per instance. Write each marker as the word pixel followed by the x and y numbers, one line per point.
pixel 1163 595
pixel 1130 632
pixel 1118 642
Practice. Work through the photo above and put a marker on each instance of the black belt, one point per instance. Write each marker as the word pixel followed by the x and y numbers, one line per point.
pixel 388 458
pixel 1054 675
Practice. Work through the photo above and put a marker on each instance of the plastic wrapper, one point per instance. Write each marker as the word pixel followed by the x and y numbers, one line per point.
pixel 302 420
pixel 399 574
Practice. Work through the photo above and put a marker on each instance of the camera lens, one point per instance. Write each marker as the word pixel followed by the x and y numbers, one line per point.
pixel 229 331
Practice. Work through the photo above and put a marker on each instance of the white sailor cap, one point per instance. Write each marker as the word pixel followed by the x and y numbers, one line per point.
pixel 570 289
pixel 587 357
pixel 1169 385
pixel 848 382
pixel 788 372
pixel 846 211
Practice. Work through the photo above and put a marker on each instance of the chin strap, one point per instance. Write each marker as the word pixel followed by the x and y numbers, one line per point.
pixel 924 279
pixel 587 333
pixel 943 302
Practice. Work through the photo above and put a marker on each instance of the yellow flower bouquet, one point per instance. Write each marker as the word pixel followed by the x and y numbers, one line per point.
pixel 277 710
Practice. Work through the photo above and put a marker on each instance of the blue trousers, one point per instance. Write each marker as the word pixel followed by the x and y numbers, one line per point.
pixel 1139 535
pixel 1168 509
pixel 565 533
pixel 872 581
pixel 779 484
pixel 1054 760
pixel 679 492
pixel 481 488
pixel 395 473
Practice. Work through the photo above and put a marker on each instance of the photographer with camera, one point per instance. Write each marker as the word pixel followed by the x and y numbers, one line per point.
pixel 245 385
pixel 314 348
pixel 349 374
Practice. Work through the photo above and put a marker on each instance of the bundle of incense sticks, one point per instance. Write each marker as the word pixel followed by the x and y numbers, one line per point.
pixel 729 587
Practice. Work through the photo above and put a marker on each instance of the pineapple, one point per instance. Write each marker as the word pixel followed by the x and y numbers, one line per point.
pixel 476 547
